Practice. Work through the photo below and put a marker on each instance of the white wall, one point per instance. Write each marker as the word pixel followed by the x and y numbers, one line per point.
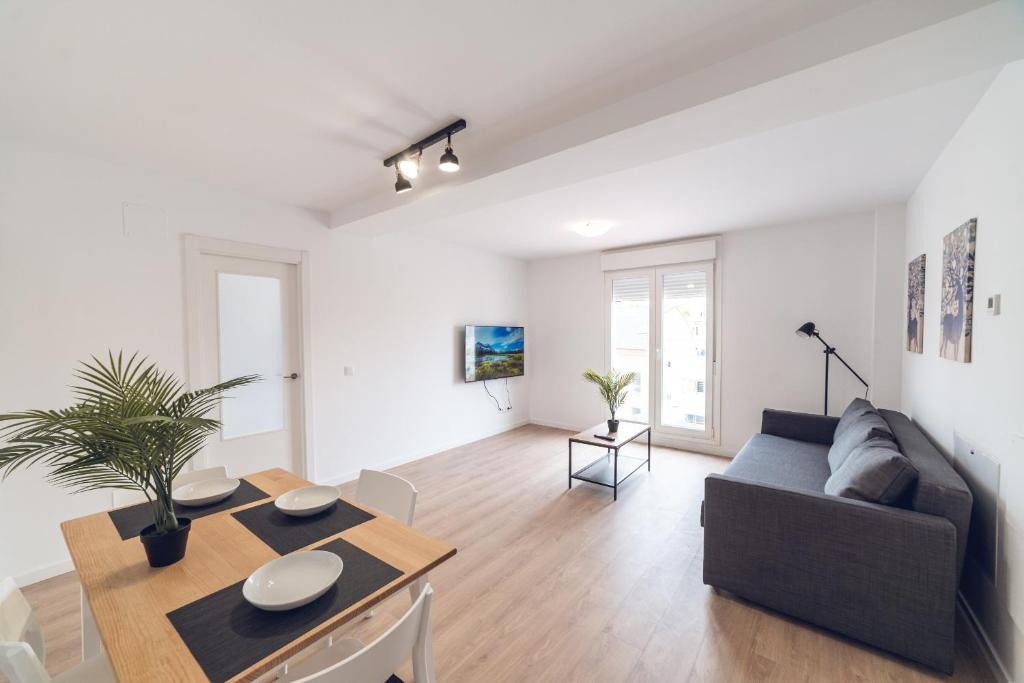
pixel 399 305
pixel 773 280
pixel 72 284
pixel 981 174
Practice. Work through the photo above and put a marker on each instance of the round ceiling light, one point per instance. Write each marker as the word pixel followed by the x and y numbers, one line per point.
pixel 591 228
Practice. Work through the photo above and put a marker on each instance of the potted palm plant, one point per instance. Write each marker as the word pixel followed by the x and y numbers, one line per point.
pixel 133 426
pixel 614 387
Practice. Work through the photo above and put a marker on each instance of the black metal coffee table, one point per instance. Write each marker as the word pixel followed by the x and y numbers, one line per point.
pixel 605 470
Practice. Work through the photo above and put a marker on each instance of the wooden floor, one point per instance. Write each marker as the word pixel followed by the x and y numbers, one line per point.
pixel 557 585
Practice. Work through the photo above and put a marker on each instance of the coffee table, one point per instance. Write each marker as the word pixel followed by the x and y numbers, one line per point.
pixel 605 470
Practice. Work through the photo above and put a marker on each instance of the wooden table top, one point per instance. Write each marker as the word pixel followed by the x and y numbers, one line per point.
pixel 627 432
pixel 130 600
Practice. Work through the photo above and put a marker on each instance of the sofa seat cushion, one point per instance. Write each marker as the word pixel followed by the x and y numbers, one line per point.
pixel 875 472
pixel 864 427
pixel 777 461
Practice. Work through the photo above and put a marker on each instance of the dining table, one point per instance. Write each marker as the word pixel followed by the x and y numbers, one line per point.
pixel 188 622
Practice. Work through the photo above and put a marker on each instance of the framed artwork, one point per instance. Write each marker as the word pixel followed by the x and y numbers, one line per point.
pixel 958 292
pixel 915 305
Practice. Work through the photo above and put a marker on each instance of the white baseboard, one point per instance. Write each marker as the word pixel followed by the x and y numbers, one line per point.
pixel 43 573
pixel 556 425
pixel 658 440
pixel 984 643
pixel 346 477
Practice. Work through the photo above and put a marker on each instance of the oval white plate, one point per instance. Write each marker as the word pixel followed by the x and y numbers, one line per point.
pixel 306 501
pixel 204 492
pixel 293 580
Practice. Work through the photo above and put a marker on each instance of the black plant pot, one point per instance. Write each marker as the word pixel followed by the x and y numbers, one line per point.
pixel 168 548
pixel 613 426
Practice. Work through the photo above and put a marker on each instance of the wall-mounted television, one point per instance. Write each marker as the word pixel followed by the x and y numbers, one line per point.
pixel 493 352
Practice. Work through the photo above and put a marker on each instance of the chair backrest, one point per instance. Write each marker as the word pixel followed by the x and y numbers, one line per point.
pixel 22 649
pixel 381 658
pixel 390 494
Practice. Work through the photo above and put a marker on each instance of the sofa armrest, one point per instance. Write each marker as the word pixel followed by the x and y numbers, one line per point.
pixel 799 426
pixel 886 576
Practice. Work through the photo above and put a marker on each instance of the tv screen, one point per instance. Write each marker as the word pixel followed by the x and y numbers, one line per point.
pixel 493 352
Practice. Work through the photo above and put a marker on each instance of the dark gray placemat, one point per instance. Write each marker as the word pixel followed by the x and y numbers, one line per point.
pixel 286 534
pixel 130 521
pixel 227 635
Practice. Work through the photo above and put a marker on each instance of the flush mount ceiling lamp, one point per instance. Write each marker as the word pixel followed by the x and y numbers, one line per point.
pixel 407 162
pixel 591 228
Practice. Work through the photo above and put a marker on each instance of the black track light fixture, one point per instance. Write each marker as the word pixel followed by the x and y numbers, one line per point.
pixel 407 162
pixel 402 183
pixel 449 162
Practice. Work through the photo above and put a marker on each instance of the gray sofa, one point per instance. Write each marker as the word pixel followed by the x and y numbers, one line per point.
pixel 886 575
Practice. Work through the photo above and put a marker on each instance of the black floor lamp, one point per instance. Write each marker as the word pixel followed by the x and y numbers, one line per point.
pixel 809 330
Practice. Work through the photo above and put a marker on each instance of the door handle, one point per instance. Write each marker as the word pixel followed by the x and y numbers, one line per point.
pixel 294 375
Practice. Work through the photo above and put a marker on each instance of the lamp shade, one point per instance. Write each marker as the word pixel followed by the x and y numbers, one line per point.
pixel 402 184
pixel 806 330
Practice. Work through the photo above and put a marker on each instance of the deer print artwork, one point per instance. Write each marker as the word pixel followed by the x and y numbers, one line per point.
pixel 958 292
pixel 915 305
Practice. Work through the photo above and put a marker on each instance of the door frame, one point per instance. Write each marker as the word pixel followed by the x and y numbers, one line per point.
pixel 198 246
pixel 711 440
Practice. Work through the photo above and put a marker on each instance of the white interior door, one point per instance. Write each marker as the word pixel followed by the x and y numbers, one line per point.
pixel 249 324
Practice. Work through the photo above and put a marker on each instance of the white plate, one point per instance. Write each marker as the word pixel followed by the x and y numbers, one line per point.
pixel 306 501
pixel 293 580
pixel 204 492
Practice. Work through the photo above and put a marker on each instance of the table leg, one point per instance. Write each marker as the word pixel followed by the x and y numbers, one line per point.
pixel 570 464
pixel 615 476
pixel 648 450
pixel 91 643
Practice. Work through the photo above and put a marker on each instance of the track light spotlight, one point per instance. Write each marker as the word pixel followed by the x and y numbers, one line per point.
pixel 449 162
pixel 409 165
pixel 407 162
pixel 402 183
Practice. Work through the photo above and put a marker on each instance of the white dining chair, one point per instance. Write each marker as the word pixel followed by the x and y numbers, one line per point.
pixel 395 497
pixel 23 650
pixel 350 661
pixel 387 493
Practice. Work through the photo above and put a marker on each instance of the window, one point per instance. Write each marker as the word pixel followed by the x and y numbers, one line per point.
pixel 660 327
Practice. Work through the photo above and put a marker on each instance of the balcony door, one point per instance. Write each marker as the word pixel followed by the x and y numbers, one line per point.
pixel 660 325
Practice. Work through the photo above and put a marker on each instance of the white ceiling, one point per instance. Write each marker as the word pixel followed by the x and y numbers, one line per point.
pixel 299 102
pixel 848 161
pixel 668 118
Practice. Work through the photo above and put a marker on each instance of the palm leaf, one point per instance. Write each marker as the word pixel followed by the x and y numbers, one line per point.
pixel 133 427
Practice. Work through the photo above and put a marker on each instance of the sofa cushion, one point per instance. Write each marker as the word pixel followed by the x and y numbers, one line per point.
pixel 860 429
pixel 778 461
pixel 939 489
pixel 857 407
pixel 874 471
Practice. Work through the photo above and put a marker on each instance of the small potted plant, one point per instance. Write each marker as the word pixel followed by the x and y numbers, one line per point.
pixel 133 427
pixel 614 387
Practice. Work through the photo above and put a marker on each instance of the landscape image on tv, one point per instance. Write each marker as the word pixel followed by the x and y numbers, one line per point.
pixel 493 352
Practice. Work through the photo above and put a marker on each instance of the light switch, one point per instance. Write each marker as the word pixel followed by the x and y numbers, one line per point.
pixel 349 371
pixel 993 304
